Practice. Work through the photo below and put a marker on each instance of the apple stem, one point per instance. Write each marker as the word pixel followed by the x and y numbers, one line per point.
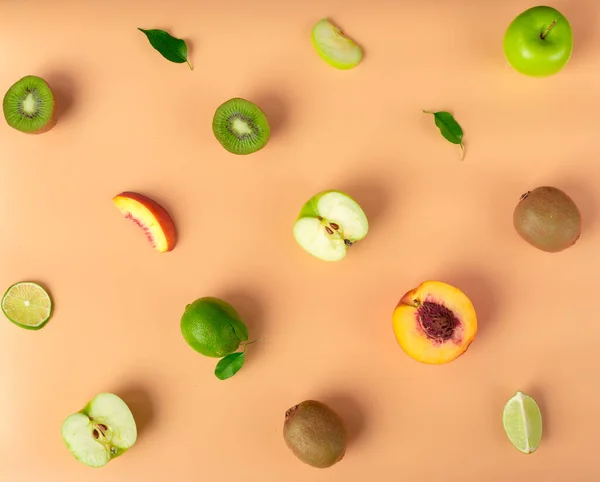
pixel 545 32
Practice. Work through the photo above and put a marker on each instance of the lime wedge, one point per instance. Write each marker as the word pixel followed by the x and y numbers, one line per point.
pixel 522 422
pixel 27 305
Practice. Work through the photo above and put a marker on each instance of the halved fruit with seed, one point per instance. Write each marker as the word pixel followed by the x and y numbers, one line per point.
pixel 29 105
pixel 101 431
pixel 27 305
pixel 151 217
pixel 334 47
pixel 241 126
pixel 329 223
pixel 434 323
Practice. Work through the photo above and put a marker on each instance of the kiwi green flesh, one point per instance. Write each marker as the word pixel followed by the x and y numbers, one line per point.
pixel 548 219
pixel 241 126
pixel 28 104
pixel 315 434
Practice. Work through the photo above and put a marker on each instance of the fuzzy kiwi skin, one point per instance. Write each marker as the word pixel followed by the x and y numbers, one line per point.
pixel 548 219
pixel 315 434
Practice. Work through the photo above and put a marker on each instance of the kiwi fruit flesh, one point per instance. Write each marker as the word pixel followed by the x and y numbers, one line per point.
pixel 548 219
pixel 29 105
pixel 315 434
pixel 241 126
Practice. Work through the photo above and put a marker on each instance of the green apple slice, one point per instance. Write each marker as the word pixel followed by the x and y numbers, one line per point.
pixel 329 223
pixel 101 431
pixel 334 47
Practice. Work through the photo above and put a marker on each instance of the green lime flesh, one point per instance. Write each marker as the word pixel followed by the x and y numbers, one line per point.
pixel 28 104
pixel 522 422
pixel 27 305
pixel 212 327
pixel 241 127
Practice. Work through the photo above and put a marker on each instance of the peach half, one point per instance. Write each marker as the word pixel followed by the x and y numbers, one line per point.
pixel 151 217
pixel 434 323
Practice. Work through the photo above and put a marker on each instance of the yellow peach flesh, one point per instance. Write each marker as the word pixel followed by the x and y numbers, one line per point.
pixel 411 335
pixel 145 219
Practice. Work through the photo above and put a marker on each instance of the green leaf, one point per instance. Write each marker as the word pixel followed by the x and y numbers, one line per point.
pixel 171 48
pixel 449 128
pixel 240 329
pixel 229 365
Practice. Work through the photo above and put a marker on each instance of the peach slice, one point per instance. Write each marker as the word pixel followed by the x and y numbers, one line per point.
pixel 434 323
pixel 151 217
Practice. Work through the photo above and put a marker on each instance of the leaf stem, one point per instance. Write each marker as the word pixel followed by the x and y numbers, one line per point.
pixel 462 151
pixel 248 343
pixel 188 62
pixel 545 32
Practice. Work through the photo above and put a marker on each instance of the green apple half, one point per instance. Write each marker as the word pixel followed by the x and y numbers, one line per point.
pixel 538 42
pixel 334 47
pixel 100 431
pixel 329 223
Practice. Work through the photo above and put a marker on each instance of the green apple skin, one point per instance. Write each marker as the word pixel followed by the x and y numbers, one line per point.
pixel 530 54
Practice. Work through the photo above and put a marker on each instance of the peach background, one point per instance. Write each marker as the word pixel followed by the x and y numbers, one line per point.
pixel 130 120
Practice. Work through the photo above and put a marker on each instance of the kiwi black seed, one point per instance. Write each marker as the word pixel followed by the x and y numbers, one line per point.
pixel 241 126
pixel 548 219
pixel 29 105
pixel 315 434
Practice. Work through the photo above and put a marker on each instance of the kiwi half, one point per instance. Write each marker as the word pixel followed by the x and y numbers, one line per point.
pixel 241 126
pixel 29 105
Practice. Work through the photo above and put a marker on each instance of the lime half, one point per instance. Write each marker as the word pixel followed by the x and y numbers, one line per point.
pixel 522 422
pixel 27 305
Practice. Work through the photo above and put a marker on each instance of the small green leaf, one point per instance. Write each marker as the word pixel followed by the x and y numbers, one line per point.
pixel 229 365
pixel 171 48
pixel 449 128
pixel 240 329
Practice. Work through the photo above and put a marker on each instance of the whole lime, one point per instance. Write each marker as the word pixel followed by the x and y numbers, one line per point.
pixel 212 327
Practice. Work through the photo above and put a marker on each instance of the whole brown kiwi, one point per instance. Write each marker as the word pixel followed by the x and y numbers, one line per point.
pixel 548 219
pixel 315 434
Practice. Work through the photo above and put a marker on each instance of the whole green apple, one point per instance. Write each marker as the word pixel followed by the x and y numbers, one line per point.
pixel 539 42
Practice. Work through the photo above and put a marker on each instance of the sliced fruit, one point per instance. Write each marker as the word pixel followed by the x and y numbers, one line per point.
pixel 434 323
pixel 29 105
pixel 241 126
pixel 522 421
pixel 101 431
pixel 334 47
pixel 151 217
pixel 27 305
pixel 329 223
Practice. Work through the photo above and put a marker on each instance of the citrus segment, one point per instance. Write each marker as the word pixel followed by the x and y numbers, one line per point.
pixel 522 420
